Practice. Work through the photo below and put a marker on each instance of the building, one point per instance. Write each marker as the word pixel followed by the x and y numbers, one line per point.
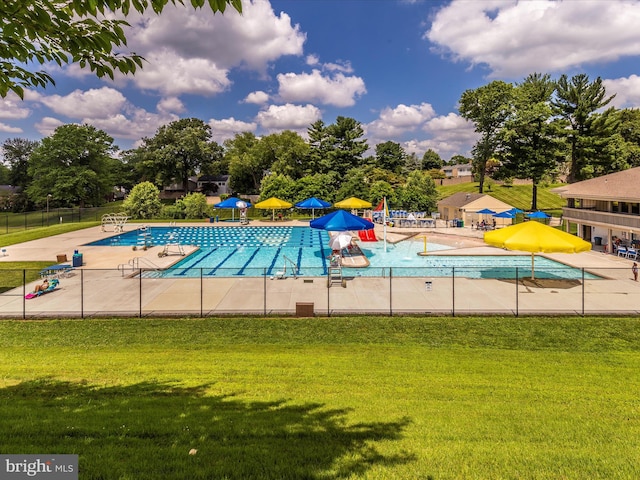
pixel 465 206
pixel 604 207
pixel 460 170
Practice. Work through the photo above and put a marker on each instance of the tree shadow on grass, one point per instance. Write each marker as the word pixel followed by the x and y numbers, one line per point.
pixel 155 430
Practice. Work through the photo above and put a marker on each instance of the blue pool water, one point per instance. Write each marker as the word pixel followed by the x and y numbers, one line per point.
pixel 255 251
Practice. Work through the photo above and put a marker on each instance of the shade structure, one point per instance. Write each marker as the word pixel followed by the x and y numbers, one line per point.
pixel 506 214
pixel 341 221
pixel 538 214
pixel 486 211
pixel 535 237
pixel 313 203
pixel 353 203
pixel 340 240
pixel 233 202
pixel 274 204
pixel 515 210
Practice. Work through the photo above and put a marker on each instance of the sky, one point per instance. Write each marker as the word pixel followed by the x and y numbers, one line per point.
pixel 399 67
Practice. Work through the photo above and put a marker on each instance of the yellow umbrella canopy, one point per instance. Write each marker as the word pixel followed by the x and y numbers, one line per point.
pixel 536 237
pixel 273 203
pixel 353 203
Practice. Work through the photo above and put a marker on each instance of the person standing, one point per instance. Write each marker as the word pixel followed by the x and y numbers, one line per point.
pixel 634 269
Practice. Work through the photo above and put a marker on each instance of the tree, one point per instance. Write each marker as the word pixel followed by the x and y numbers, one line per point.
pixel 576 102
pixel 143 201
pixel 286 153
pixel 246 166
pixel 390 156
pixel 279 186
pixel 354 184
pixel 16 153
pixel 181 149
pixel 64 32
pixel 73 165
pixel 336 148
pixel 530 146
pixel 195 205
pixel 320 185
pixel 419 193
pixel 487 107
pixel 380 189
pixel 431 161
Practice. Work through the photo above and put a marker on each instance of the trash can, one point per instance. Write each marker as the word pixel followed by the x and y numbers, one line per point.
pixel 77 259
pixel 597 240
pixel 211 219
pixel 461 223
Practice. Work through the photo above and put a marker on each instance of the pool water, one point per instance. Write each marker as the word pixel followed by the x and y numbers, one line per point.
pixel 256 251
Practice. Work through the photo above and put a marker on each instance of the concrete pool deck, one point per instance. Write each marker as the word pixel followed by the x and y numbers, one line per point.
pixel 100 288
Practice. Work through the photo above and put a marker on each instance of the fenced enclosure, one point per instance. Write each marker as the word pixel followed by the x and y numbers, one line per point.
pixel 149 292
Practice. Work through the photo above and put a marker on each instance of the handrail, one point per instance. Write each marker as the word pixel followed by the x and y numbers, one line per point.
pixel 296 267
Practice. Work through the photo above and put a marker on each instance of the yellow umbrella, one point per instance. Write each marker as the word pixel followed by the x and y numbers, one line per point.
pixel 536 237
pixel 353 203
pixel 273 203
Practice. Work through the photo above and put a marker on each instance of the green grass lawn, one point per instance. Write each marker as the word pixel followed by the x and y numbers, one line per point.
pixel 358 397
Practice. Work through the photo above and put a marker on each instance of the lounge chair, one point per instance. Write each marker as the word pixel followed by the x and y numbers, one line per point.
pixel 632 253
pixel 622 251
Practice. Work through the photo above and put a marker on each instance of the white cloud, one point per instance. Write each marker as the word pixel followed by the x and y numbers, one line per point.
pixel 227 128
pixel 47 125
pixel 258 98
pixel 9 129
pixel 627 91
pixel 96 102
pixel 339 66
pixel 13 107
pixel 394 122
pixel 288 117
pixel 339 90
pixel 198 49
pixel 171 105
pixel 312 60
pixel 514 38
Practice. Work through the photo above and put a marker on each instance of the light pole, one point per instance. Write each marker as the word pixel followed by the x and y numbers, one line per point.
pixel 48 197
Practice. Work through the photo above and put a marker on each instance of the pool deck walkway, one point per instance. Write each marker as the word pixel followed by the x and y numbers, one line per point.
pixel 100 288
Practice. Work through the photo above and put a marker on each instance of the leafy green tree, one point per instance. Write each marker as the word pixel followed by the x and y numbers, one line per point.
pixel 488 107
pixel 195 205
pixel 279 186
pixel 419 193
pixel 576 102
pixel 64 32
pixel 354 184
pixel 530 147
pixel 16 153
pixel 380 189
pixel 628 131
pixel 336 148
pixel 320 185
pixel 143 201
pixel 180 149
pixel 286 152
pixel 73 165
pixel 246 166
pixel 390 156
pixel 431 160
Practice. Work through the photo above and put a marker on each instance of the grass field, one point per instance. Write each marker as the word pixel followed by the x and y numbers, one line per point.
pixel 372 398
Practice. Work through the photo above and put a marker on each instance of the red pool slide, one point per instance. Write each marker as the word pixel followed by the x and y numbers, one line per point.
pixel 367 235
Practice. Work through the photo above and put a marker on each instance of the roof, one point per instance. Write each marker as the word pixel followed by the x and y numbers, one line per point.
pixel 460 199
pixel 620 186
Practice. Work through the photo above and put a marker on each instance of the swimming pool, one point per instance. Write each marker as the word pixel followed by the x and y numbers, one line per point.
pixel 256 251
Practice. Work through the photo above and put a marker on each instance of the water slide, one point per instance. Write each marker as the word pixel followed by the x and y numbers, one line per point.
pixel 367 235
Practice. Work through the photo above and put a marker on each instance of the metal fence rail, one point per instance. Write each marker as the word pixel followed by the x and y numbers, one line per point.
pixel 150 292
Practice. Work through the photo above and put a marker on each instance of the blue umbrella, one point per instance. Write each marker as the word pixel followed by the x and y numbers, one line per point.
pixel 341 221
pixel 506 214
pixel 515 210
pixel 486 211
pixel 538 214
pixel 233 202
pixel 313 203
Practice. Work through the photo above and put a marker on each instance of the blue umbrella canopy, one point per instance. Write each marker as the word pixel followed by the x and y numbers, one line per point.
pixel 231 202
pixel 506 214
pixel 341 221
pixel 486 211
pixel 538 214
pixel 515 210
pixel 313 203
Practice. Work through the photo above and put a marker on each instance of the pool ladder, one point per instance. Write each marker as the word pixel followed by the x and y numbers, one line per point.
pixel 296 268
pixel 134 264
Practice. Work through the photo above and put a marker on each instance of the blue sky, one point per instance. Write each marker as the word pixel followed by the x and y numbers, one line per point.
pixel 399 67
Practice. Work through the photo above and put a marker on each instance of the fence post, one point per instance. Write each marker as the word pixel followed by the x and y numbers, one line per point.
pixel 453 291
pixel 264 291
pixel 390 292
pixel 81 293
pixel 517 298
pixel 328 294
pixel 201 295
pixel 24 293
pixel 140 293
pixel 583 291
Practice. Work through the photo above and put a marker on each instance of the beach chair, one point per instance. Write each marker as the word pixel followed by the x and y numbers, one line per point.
pixel 622 251
pixel 632 253
pixel 53 284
